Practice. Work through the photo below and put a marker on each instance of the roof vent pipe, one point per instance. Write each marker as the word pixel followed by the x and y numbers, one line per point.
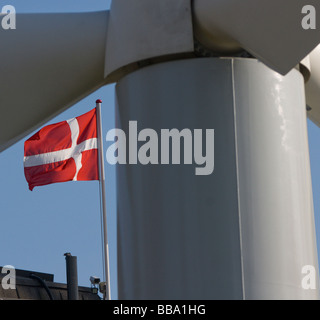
pixel 72 276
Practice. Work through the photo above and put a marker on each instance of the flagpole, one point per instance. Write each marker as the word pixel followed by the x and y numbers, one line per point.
pixel 107 294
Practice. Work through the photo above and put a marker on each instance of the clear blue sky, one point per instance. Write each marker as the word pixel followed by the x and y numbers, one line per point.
pixel 38 227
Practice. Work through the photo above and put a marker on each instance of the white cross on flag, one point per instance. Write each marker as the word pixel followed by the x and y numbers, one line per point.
pixel 65 151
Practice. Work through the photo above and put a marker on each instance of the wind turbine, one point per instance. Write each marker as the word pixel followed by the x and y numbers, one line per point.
pixel 246 69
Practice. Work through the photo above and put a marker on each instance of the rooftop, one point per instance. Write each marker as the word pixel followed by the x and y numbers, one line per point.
pixel 30 285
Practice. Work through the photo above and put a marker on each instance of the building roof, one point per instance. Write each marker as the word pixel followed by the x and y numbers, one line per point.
pixel 30 285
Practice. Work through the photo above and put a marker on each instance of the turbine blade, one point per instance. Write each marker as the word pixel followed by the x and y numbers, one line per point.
pixel 48 63
pixel 271 30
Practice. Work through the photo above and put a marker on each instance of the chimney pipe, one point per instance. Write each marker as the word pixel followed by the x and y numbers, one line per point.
pixel 72 276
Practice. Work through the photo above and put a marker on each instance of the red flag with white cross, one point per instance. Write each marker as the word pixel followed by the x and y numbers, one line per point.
pixel 65 151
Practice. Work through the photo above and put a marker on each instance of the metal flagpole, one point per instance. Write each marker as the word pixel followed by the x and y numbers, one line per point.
pixel 107 294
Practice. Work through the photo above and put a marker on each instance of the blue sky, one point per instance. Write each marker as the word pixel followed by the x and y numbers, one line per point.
pixel 38 227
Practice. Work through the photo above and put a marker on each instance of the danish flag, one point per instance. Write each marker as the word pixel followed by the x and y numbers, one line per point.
pixel 65 151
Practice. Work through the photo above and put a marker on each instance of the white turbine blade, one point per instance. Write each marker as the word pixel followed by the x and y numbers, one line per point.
pixel 313 87
pixel 48 63
pixel 271 30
